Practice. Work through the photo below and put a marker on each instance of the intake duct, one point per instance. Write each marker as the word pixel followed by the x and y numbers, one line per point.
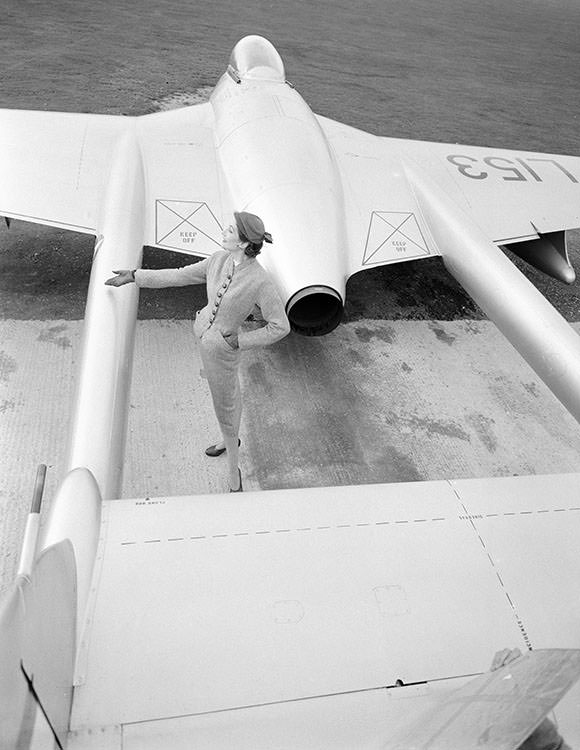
pixel 315 310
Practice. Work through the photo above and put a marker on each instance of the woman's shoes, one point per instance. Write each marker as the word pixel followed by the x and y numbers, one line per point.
pixel 214 451
pixel 240 488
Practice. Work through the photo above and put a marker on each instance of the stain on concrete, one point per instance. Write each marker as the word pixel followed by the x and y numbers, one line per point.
pixel 51 335
pixel 532 389
pixel 446 427
pixel 401 467
pixel 405 367
pixel 483 427
pixel 6 406
pixel 509 395
pixel 358 358
pixel 8 365
pixel 325 432
pixel 259 377
pixel 384 333
pixel 442 334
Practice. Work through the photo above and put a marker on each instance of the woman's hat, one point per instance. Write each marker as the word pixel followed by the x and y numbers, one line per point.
pixel 251 228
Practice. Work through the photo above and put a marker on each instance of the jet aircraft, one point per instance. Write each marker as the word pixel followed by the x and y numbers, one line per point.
pixel 333 617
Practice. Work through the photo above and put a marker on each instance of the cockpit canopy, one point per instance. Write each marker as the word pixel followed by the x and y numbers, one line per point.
pixel 256 58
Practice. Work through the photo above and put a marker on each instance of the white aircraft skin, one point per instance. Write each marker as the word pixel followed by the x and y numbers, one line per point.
pixel 283 168
pixel 284 619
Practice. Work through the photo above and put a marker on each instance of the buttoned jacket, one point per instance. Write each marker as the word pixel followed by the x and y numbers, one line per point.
pixel 232 293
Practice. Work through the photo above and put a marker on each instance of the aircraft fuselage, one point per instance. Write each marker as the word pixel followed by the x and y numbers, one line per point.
pixel 278 164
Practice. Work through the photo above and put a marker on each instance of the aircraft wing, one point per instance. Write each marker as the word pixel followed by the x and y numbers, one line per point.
pixel 187 192
pixel 512 195
pixel 55 168
pixel 285 618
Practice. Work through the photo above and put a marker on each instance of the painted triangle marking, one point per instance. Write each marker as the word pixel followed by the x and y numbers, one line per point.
pixel 413 234
pixel 391 224
pixel 393 236
pixel 184 220
pixel 206 223
pixel 188 226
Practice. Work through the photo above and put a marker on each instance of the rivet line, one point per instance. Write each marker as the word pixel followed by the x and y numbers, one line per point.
pixel 365 524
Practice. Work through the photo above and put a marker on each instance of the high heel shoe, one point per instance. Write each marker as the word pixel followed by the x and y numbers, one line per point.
pixel 214 451
pixel 240 488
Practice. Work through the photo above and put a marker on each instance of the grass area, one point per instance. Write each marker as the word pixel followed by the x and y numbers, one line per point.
pixel 474 71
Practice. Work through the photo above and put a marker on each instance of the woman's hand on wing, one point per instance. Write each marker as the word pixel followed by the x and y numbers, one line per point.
pixel 124 276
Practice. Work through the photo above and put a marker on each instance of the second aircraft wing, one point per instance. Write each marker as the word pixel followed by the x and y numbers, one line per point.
pixel 513 196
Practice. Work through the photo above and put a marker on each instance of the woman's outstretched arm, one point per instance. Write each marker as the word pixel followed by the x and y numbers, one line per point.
pixel 195 273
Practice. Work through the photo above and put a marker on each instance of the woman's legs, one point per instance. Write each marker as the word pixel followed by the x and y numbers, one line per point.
pixel 231 435
pixel 232 452
pixel 221 369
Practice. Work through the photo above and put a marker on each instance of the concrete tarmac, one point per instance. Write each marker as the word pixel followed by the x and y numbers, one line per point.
pixel 403 390
pixel 375 401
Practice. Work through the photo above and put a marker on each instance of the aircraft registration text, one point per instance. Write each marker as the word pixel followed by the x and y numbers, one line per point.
pixel 517 169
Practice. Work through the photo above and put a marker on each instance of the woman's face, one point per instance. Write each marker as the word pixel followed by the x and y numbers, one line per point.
pixel 231 239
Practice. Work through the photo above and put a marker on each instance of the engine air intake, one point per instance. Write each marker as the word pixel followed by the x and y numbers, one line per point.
pixel 256 57
pixel 315 310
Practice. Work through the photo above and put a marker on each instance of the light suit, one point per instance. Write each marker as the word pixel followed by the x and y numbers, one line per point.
pixel 232 292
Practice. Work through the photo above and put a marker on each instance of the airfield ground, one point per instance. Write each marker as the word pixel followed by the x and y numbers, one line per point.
pixel 416 383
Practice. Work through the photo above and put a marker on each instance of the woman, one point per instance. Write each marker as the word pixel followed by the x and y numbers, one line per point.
pixel 236 283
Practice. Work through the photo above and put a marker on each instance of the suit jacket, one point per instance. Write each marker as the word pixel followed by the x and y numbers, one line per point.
pixel 232 293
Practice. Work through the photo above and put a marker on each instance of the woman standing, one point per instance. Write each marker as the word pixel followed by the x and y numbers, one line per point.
pixel 236 283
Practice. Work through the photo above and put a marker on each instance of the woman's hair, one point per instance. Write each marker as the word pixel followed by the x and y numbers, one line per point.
pixel 253 249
